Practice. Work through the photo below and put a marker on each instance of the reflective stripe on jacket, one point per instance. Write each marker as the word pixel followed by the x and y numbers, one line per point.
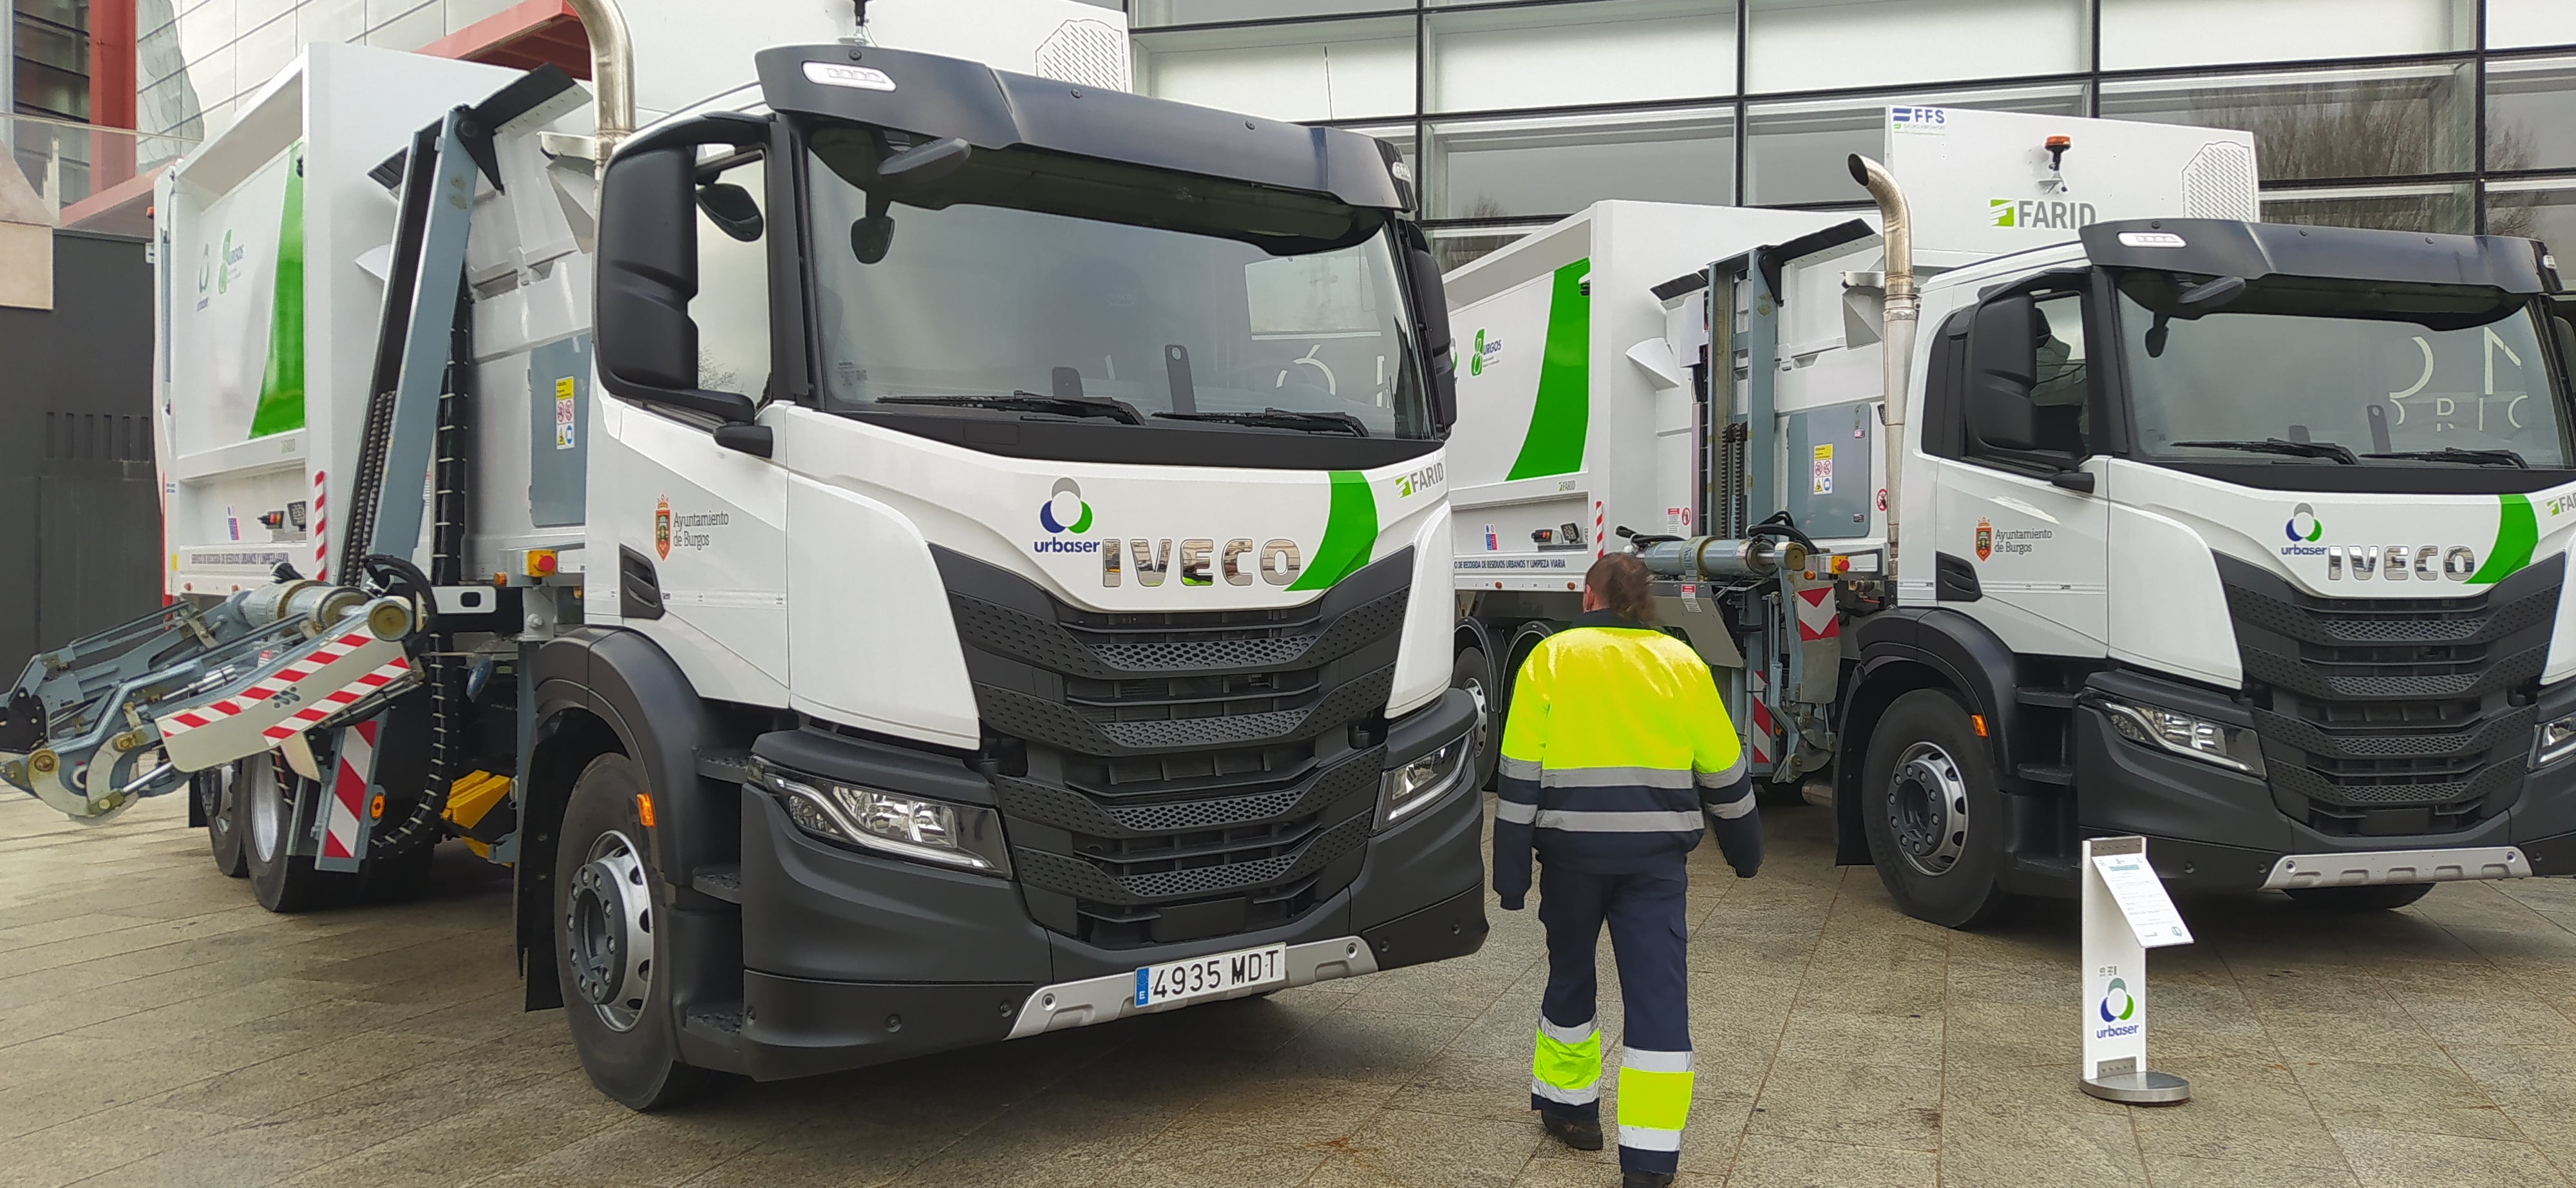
pixel 1615 744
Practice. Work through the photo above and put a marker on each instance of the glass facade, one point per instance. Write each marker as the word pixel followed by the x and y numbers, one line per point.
pixel 2437 115
pixel 196 60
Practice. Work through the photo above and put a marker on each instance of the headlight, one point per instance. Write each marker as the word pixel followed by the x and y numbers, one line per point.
pixel 916 827
pixel 1422 781
pixel 2231 747
pixel 2557 741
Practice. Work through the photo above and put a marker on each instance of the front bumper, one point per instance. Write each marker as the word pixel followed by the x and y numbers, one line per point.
pixel 2213 830
pixel 852 959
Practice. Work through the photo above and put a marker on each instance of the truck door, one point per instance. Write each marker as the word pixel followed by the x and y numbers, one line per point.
pixel 2020 533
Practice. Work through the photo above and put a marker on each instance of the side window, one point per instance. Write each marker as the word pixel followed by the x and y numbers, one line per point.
pixel 732 306
pixel 2026 392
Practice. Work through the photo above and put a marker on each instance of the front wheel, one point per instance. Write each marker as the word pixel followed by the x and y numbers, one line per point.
pixel 1932 813
pixel 607 944
pixel 2379 898
pixel 1475 674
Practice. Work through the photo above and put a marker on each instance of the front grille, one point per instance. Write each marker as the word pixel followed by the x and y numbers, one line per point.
pixel 1179 775
pixel 2385 716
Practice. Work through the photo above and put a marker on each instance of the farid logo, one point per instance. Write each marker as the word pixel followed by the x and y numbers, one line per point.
pixel 1064 513
pixel 2056 216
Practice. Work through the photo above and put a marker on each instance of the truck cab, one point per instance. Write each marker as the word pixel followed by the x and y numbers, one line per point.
pixel 2243 537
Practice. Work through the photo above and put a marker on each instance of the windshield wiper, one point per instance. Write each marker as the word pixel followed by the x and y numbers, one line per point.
pixel 1280 418
pixel 2282 445
pixel 1078 406
pixel 2456 454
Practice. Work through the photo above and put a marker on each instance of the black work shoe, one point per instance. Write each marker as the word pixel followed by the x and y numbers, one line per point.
pixel 1574 1132
pixel 1645 1179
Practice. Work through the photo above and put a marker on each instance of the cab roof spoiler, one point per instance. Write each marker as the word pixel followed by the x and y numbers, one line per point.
pixel 933 96
pixel 2228 247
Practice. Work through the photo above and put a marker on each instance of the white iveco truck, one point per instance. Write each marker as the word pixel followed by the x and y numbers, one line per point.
pixel 898 555
pixel 2247 538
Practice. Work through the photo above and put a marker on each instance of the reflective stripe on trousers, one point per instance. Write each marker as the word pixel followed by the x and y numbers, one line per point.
pixel 1565 1068
pixel 1654 1100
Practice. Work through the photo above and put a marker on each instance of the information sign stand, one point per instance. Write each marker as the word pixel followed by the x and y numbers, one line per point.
pixel 2126 913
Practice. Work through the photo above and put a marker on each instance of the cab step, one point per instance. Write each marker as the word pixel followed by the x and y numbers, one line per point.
pixel 722 882
pixel 2046 773
pixel 2047 698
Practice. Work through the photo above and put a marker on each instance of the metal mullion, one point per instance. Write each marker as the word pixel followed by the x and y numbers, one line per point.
pixel 1271 22
pixel 1743 85
pixel 1581 109
pixel 2093 65
pixel 2448 58
pixel 1863 92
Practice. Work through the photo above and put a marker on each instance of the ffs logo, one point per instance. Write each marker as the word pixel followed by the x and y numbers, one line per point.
pixel 2303 524
pixel 2117 993
pixel 662 528
pixel 1985 539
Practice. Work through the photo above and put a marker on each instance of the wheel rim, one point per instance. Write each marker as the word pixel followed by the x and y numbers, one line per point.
pixel 258 787
pixel 1476 740
pixel 608 926
pixel 1927 809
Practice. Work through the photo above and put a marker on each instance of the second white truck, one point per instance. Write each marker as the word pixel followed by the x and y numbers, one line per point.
pixel 2244 537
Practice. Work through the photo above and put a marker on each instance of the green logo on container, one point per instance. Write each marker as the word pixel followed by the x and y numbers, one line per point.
pixel 1476 361
pixel 2001 210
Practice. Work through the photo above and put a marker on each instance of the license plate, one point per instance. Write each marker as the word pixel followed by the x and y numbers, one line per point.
pixel 1212 975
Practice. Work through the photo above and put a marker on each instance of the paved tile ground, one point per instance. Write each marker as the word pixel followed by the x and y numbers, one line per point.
pixel 156 1028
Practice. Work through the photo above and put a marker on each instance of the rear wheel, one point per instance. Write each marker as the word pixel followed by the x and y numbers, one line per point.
pixel 215 793
pixel 607 908
pixel 2379 898
pixel 1933 814
pixel 1475 674
pixel 264 814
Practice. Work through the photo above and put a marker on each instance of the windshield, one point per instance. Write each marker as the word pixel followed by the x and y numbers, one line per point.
pixel 2370 368
pixel 1021 283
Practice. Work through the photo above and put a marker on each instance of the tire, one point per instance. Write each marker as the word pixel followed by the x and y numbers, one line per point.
pixel 2380 898
pixel 263 812
pixel 607 900
pixel 214 789
pixel 1932 813
pixel 1474 673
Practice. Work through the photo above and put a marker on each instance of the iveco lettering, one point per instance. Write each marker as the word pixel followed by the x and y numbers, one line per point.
pixel 914 554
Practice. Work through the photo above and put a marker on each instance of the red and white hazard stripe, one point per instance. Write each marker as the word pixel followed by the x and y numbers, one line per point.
pixel 302 667
pixel 1599 546
pixel 310 716
pixel 1761 739
pixel 1816 615
pixel 321 529
pixel 352 772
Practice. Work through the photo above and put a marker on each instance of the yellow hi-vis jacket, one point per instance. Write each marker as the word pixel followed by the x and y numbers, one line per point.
pixel 1616 744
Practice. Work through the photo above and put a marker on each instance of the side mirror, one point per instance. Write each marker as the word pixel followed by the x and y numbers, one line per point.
pixel 1431 306
pixel 2002 370
pixel 648 268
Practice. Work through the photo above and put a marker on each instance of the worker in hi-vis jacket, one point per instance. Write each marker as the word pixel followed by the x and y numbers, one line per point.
pixel 1616 747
